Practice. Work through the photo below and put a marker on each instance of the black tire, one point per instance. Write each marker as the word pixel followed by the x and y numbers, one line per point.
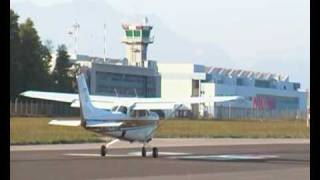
pixel 155 152
pixel 143 152
pixel 103 150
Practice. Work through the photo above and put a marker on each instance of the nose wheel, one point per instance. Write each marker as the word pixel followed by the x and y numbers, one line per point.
pixel 143 152
pixel 103 150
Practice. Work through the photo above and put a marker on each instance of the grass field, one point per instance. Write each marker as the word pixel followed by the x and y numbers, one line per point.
pixel 234 129
pixel 37 131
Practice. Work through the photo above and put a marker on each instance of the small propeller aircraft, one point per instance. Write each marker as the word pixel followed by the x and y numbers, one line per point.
pixel 128 119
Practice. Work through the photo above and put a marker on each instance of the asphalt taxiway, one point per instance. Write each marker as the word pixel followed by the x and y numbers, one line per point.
pixel 211 159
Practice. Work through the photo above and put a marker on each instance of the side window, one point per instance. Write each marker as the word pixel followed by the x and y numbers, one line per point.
pixel 123 109
pixel 142 113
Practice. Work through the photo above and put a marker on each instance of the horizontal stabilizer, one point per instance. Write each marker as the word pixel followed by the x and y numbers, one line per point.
pixel 102 124
pixel 65 122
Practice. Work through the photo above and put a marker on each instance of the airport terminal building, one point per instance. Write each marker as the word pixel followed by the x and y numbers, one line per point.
pixel 135 75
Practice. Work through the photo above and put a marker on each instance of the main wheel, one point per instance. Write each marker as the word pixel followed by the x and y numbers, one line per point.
pixel 155 152
pixel 103 150
pixel 143 152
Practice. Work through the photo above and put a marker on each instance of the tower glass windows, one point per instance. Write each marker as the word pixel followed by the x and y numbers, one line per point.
pixel 129 33
pixel 136 33
pixel 145 33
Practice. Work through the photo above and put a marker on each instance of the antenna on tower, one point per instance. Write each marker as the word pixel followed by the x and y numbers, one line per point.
pixel 145 21
pixel 76 28
pixel 104 43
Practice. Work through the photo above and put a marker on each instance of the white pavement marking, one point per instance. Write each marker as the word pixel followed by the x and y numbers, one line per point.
pixel 98 155
pixel 228 157
pixel 162 142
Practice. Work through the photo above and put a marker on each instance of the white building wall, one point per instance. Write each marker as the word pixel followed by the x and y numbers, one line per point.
pixel 176 79
pixel 171 88
pixel 249 91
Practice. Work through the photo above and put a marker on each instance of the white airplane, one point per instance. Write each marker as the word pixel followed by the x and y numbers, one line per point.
pixel 130 119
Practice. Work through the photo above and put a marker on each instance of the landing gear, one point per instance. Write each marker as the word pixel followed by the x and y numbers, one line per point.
pixel 154 152
pixel 143 152
pixel 103 150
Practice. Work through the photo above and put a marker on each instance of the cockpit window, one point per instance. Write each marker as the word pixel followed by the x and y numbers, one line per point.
pixel 123 109
pixel 139 113
pixel 114 108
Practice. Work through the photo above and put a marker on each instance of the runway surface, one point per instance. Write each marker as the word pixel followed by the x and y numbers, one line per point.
pixel 249 161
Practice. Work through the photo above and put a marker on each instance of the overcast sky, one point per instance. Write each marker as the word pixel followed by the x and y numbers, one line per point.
pixel 252 32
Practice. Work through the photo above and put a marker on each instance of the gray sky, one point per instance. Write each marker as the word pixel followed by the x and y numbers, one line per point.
pixel 256 34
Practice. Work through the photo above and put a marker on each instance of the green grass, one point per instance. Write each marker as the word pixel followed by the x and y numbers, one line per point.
pixel 234 129
pixel 25 130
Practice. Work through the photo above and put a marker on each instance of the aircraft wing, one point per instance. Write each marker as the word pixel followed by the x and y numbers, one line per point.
pixel 107 102
pixel 65 122
pixel 171 103
pixel 103 102
pixel 53 96
pixel 60 122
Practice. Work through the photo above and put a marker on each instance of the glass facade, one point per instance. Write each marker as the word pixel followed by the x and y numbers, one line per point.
pixel 262 83
pixel 275 102
pixel 125 85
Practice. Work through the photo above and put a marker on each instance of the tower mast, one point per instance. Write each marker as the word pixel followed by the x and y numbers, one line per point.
pixel 104 43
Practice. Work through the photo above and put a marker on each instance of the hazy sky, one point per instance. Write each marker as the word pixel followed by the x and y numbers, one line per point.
pixel 254 32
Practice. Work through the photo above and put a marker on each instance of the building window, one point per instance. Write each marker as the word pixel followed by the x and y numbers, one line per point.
pixel 145 33
pixel 296 86
pixel 129 33
pixel 262 83
pixel 219 81
pixel 136 33
pixel 239 82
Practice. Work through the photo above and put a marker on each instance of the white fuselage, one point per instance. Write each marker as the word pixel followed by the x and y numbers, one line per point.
pixel 133 128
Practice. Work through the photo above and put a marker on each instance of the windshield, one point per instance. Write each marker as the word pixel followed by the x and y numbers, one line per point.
pixel 123 109
pixel 114 108
pixel 139 113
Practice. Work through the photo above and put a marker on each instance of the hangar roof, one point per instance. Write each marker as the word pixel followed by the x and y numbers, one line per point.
pixel 246 74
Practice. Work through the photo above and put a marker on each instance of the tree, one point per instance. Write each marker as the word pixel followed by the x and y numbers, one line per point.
pixel 15 67
pixel 34 57
pixel 61 75
pixel 29 58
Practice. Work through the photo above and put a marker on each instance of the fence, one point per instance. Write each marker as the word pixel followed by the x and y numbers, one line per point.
pixel 27 107
pixel 24 107
pixel 222 112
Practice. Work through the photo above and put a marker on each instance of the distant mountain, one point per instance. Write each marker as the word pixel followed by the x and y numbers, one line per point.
pixel 54 22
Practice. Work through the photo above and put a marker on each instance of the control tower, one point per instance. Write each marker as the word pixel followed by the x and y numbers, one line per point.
pixel 137 38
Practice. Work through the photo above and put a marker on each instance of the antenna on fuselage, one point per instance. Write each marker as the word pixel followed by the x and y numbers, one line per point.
pixel 135 91
pixel 115 90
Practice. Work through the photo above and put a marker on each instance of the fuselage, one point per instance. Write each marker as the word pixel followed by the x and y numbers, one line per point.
pixel 135 127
